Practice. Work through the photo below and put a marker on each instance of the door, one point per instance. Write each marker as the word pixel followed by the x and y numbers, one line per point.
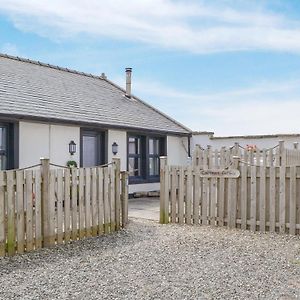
pixel 92 148
pixel 3 147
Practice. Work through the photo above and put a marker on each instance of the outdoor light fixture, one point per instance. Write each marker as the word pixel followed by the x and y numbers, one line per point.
pixel 72 148
pixel 114 148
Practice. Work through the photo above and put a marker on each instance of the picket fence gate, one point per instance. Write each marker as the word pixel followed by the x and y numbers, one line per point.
pixel 263 198
pixel 47 206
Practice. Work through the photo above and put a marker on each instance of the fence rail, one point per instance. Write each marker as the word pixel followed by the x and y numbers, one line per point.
pixel 44 207
pixel 262 198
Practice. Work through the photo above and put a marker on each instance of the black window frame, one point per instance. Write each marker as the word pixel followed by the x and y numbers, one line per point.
pixel 12 144
pixel 145 176
pixel 101 144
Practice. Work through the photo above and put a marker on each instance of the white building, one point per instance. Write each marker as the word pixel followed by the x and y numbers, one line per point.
pixel 260 141
pixel 45 108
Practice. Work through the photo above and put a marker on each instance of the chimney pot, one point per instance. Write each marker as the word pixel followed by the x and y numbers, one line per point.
pixel 128 82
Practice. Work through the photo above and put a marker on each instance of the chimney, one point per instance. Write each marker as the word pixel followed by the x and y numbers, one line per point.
pixel 128 82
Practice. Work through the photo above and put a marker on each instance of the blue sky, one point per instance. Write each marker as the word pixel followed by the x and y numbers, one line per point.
pixel 232 67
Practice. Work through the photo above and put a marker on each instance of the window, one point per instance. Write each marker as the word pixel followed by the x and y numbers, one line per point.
pixel 3 147
pixel 143 158
pixel 92 148
pixel 9 146
pixel 154 157
pixel 134 156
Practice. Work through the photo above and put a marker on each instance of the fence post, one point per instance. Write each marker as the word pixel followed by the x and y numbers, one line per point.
pixel 282 154
pixel 124 198
pixel 232 195
pixel 117 164
pixel 164 192
pixel 45 172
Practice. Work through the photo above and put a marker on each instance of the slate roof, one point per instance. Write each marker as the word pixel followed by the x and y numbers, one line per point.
pixel 30 89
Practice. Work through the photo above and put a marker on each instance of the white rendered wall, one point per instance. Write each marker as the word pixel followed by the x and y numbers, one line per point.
pixel 144 187
pixel 60 137
pixel 33 143
pixel 120 137
pixel 177 150
pixel 261 142
pixel 45 140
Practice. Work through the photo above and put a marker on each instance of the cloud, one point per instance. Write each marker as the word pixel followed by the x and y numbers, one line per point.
pixel 270 107
pixel 194 26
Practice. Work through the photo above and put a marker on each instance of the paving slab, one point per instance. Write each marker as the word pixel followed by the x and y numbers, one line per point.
pixel 144 208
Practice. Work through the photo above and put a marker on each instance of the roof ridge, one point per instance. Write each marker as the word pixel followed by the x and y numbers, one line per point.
pixel 39 63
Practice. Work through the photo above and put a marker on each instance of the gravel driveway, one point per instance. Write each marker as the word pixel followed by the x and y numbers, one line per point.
pixel 152 261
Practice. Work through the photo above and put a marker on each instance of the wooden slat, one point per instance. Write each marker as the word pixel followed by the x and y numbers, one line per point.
pixel 197 195
pixel 59 207
pixel 262 200
pixel 205 199
pixel 106 201
pixel 20 211
pixel 94 203
pixel 74 209
pixel 2 215
pixel 52 215
pixel 38 209
pixel 253 199
pixel 117 164
pixel 88 221
pixel 272 209
pixel 67 221
pixel 124 192
pixel 221 190
pixel 244 196
pixel 162 199
pixel 282 187
pixel 112 198
pixel 29 210
pixel 174 179
pixel 293 201
pixel 188 200
pixel 213 201
pixel 100 201
pixel 181 196
pixel 11 238
pixel 81 203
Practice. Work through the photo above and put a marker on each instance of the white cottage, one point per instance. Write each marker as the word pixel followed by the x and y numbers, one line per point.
pixel 45 109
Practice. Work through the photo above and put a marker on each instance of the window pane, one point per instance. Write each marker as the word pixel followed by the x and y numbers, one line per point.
pixel 134 166
pixel 134 145
pixel 90 151
pixel 153 166
pixel 3 148
pixel 154 146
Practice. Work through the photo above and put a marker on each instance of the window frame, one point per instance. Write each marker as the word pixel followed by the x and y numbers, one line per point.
pixel 12 144
pixel 145 169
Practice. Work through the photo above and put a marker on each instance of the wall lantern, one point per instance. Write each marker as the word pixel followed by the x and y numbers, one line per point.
pixel 72 148
pixel 114 148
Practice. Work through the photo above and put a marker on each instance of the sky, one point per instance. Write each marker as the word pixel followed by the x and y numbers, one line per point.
pixel 231 67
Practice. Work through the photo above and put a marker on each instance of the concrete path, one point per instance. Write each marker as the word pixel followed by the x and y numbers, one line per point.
pixel 144 208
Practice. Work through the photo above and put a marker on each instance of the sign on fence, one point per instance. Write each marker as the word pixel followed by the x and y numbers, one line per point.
pixel 218 173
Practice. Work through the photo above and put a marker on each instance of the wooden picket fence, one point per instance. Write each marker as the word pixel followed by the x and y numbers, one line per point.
pixel 47 206
pixel 275 156
pixel 262 198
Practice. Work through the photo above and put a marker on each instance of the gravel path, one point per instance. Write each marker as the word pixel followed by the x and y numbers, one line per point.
pixel 152 261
